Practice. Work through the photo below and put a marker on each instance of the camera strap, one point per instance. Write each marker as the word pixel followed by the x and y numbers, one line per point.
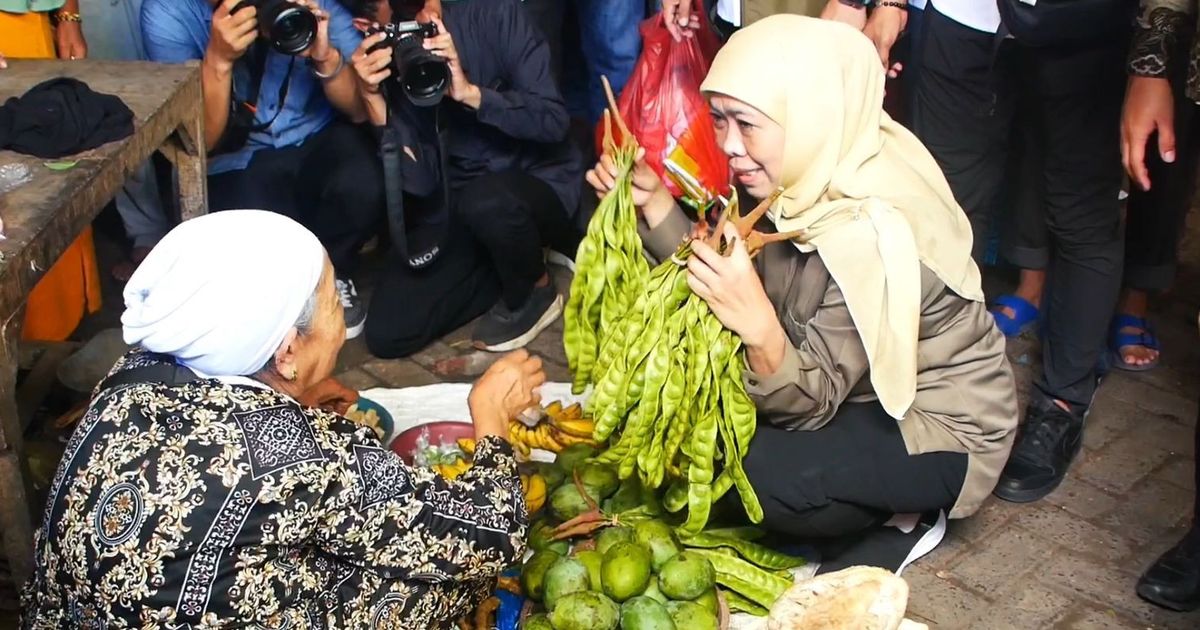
pixel 392 153
pixel 258 68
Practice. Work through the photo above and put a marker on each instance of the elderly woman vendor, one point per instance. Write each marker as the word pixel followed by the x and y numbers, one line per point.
pixel 880 380
pixel 197 491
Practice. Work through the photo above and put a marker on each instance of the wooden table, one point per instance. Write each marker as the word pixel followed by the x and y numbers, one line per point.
pixel 43 217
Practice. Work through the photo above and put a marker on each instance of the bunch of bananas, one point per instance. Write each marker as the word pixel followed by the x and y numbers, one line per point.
pixel 533 486
pixel 559 428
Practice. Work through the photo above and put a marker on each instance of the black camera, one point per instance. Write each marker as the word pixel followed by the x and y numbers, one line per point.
pixel 423 76
pixel 289 27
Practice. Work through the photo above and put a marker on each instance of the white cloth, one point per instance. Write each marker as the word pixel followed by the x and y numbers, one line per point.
pixel 730 11
pixel 981 15
pixel 221 292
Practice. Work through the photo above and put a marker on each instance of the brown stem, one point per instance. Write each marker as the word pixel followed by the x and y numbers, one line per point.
pixel 626 135
pixel 756 240
pixel 746 224
pixel 609 147
pixel 583 491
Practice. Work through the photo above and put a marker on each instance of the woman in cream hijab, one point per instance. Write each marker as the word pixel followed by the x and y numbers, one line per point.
pixel 880 379
pixel 198 492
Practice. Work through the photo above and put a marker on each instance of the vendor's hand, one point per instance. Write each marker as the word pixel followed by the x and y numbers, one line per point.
pixel 329 395
pixel 3 62
pixel 461 88
pixel 679 19
pixel 732 289
pixel 884 27
pixel 504 391
pixel 69 41
pixel 650 195
pixel 232 33
pixel 430 12
pixel 839 12
pixel 1149 107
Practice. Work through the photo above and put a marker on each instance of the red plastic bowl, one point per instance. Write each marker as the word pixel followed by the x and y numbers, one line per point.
pixel 443 432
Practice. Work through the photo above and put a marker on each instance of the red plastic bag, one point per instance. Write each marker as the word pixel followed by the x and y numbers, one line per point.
pixel 663 108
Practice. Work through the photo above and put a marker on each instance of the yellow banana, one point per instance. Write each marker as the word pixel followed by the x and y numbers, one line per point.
pixel 467 445
pixel 535 494
pixel 524 484
pixel 574 412
pixel 566 439
pixel 553 409
pixel 577 428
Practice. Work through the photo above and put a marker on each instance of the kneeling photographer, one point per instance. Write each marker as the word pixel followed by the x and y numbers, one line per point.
pixel 276 78
pixel 480 177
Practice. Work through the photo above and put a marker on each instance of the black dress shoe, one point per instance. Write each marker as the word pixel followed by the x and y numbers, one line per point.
pixel 1174 581
pixel 1050 439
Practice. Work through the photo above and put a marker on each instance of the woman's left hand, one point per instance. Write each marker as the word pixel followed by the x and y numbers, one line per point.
pixel 68 39
pixel 733 290
pixel 329 395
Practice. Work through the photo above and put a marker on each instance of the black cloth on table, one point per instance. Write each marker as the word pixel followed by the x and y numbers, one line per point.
pixel 61 117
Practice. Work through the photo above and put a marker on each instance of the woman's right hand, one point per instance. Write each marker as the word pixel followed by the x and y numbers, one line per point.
pixel 504 391
pixel 650 195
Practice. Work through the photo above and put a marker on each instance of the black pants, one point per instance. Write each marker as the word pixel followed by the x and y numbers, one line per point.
pixel 499 224
pixel 332 184
pixel 968 94
pixel 847 476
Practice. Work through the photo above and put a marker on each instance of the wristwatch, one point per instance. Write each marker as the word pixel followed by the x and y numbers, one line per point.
pixel 855 4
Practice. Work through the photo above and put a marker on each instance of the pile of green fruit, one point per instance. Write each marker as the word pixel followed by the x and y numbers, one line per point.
pixel 604 557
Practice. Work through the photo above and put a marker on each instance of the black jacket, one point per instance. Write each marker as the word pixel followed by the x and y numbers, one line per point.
pixel 521 123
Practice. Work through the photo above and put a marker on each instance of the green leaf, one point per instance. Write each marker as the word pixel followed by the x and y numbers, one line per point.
pixel 64 165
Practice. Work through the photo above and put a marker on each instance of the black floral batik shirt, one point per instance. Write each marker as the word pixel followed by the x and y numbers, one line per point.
pixel 1165 46
pixel 214 504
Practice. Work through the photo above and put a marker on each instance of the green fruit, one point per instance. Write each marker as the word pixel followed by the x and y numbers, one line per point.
pixel 537 622
pixel 709 601
pixel 690 615
pixel 627 497
pixel 593 560
pixel 572 456
pixel 533 574
pixel 643 613
pixel 625 571
pixel 566 503
pixel 585 610
pixel 653 592
pixel 660 539
pixel 686 576
pixel 613 535
pixel 553 475
pixel 565 576
pixel 600 480
pixel 541 538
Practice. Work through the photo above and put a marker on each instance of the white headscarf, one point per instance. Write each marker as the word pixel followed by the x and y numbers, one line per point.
pixel 221 292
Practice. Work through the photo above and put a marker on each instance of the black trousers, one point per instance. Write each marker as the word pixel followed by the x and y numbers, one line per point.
pixel 499 224
pixel 847 476
pixel 332 184
pixel 968 95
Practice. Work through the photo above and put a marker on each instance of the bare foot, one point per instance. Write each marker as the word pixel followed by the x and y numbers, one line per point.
pixel 1135 303
pixel 1029 289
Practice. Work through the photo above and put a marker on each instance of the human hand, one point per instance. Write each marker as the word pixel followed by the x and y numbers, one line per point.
pixel 321 51
pixel 838 12
pixel 732 289
pixel 430 12
pixel 69 41
pixel 232 33
pixel 371 67
pixel 442 45
pixel 650 195
pixel 329 395
pixel 1149 107
pixel 884 27
pixel 505 390
pixel 3 62
pixel 679 19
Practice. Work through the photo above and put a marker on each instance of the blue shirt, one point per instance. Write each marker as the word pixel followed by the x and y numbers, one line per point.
pixel 176 31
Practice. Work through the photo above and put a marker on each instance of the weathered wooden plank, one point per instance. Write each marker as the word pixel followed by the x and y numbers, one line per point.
pixel 16 522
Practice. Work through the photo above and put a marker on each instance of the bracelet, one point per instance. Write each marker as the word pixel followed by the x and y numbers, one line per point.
pixel 336 71
pixel 895 4
pixel 67 16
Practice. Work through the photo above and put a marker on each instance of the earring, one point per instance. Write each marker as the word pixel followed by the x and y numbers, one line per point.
pixel 295 373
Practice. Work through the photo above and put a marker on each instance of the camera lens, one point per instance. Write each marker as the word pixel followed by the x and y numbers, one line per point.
pixel 425 77
pixel 291 28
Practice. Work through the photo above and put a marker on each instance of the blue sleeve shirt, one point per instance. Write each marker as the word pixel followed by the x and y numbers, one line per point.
pixel 176 31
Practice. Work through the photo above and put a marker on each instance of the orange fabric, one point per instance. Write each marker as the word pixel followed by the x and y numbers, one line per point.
pixel 72 285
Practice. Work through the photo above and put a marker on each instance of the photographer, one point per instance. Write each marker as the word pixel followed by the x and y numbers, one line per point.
pixel 273 134
pixel 488 179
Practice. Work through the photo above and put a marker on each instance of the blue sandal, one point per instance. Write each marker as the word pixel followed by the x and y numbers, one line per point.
pixel 1025 315
pixel 1146 339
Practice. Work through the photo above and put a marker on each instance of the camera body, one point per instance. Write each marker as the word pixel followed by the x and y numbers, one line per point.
pixel 289 27
pixel 423 76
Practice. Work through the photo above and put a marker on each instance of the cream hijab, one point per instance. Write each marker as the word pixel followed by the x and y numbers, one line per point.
pixel 872 201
